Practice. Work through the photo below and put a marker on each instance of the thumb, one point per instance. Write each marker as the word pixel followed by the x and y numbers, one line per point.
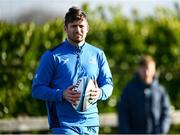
pixel 95 83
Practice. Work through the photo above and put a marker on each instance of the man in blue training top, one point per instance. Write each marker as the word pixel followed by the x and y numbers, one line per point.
pixel 144 107
pixel 61 67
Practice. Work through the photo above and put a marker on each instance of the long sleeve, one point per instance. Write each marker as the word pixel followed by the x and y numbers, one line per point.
pixel 105 78
pixel 123 117
pixel 165 116
pixel 41 88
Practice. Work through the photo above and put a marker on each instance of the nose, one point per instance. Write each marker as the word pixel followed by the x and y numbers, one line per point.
pixel 78 29
pixel 146 72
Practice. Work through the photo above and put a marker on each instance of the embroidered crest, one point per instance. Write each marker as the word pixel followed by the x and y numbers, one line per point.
pixel 92 60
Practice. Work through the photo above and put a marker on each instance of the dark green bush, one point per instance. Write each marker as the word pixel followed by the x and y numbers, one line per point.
pixel 122 39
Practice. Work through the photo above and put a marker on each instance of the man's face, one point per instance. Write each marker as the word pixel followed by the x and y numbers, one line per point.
pixel 147 72
pixel 77 30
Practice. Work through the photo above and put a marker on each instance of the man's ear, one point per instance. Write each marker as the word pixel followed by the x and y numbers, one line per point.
pixel 65 28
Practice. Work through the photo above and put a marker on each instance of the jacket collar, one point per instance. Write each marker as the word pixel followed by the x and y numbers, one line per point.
pixel 138 79
pixel 74 47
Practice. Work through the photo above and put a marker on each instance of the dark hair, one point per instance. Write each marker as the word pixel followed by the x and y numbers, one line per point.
pixel 145 60
pixel 74 14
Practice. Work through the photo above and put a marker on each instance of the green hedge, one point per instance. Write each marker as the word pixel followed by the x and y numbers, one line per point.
pixel 123 40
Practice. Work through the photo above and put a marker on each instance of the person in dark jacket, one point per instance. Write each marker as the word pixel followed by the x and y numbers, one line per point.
pixel 144 106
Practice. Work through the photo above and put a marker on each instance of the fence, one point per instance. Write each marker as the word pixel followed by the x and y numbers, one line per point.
pixel 27 124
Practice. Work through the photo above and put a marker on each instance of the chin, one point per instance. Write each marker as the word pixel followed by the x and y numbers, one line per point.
pixel 148 81
pixel 77 41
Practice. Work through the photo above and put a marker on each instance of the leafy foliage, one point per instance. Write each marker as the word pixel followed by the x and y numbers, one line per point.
pixel 122 39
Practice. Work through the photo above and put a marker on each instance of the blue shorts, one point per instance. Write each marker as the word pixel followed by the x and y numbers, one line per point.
pixel 66 130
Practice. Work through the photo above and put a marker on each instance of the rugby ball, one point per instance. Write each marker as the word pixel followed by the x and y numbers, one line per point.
pixel 84 85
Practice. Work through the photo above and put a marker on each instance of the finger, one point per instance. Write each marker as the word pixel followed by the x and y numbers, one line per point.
pixel 75 93
pixel 72 100
pixel 76 96
pixel 71 87
pixel 95 83
pixel 92 91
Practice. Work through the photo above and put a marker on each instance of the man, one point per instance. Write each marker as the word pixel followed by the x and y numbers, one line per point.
pixel 59 70
pixel 144 104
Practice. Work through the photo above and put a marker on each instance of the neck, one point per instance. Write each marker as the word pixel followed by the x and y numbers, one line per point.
pixel 74 43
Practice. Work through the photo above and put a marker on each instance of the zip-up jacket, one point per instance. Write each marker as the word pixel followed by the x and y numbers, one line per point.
pixel 61 67
pixel 143 108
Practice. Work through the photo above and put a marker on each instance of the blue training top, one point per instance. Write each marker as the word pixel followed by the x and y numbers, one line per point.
pixel 61 67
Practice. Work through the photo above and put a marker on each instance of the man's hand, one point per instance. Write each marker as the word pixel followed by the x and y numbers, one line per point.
pixel 70 95
pixel 95 93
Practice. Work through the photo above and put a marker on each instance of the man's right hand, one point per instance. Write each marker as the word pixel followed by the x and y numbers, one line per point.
pixel 70 95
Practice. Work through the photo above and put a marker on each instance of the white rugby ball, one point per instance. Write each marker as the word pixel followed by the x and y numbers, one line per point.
pixel 84 85
pixel 88 101
pixel 79 87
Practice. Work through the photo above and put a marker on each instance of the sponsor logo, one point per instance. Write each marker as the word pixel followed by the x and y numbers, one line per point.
pixel 61 60
pixel 92 60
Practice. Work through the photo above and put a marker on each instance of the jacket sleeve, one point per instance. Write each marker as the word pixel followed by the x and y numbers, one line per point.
pixel 41 87
pixel 165 115
pixel 104 80
pixel 123 113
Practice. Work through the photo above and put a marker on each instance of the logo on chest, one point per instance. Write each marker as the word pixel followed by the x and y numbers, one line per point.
pixel 64 60
pixel 61 59
pixel 92 60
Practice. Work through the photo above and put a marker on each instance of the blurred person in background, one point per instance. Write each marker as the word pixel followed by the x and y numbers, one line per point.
pixel 61 67
pixel 144 106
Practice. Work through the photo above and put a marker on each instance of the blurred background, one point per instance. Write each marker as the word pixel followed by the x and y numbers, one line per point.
pixel 124 29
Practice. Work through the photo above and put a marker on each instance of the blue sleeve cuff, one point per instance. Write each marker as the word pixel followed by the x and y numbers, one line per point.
pixel 59 94
pixel 100 95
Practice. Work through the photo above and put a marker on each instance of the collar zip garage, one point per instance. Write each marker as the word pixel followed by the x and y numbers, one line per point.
pixel 79 68
pixel 77 50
